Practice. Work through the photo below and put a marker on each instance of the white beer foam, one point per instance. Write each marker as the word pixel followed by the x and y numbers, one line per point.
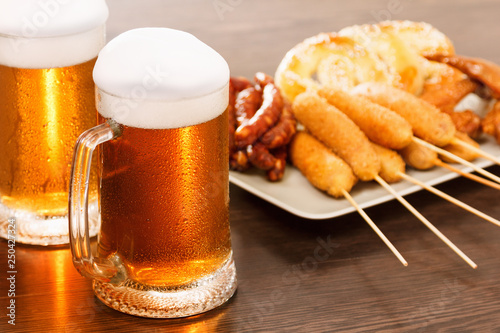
pixel 51 33
pixel 160 78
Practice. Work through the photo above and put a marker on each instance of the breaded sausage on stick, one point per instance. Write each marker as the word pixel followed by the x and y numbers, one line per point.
pixel 456 148
pixel 320 166
pixel 329 173
pixel 391 164
pixel 427 121
pixel 418 156
pixel 429 124
pixel 380 124
pixel 458 160
pixel 338 132
pixel 393 169
pixel 474 149
pixel 423 158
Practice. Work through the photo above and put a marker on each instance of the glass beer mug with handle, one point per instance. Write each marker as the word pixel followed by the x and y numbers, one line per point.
pixel 164 247
pixel 47 53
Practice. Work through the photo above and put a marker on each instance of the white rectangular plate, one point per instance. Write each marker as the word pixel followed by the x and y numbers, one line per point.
pixel 297 196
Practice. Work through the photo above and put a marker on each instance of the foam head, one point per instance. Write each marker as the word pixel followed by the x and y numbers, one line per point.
pixel 160 78
pixel 59 32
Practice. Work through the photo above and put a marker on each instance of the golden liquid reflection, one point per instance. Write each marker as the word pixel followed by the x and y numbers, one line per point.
pixel 54 292
pixel 43 274
pixel 207 322
pixel 59 269
pixel 50 80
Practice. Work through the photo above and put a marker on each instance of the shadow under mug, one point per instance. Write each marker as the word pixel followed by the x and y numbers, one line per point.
pixel 164 247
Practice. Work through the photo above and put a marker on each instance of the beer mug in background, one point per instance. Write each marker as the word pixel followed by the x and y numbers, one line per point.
pixel 47 54
pixel 164 247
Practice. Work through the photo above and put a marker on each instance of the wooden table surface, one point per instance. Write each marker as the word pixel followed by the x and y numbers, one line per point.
pixel 284 285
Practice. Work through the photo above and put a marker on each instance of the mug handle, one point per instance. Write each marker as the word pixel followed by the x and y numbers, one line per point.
pixel 93 267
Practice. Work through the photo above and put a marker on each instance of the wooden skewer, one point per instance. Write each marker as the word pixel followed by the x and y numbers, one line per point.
pixel 426 222
pixel 374 227
pixel 457 159
pixel 451 199
pixel 471 176
pixel 476 150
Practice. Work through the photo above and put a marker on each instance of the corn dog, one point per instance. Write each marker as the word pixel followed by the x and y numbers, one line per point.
pixel 392 165
pixel 427 121
pixel 381 125
pixel 338 132
pixel 459 150
pixel 423 158
pixel 418 156
pixel 320 165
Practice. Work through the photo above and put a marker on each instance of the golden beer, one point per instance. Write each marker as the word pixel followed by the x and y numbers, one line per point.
pixel 42 113
pixel 164 202
pixel 47 53
pixel 164 247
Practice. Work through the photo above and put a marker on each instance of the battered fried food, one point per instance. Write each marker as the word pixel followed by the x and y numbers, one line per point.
pixel 459 150
pixel 427 121
pixel 403 62
pixel 445 96
pixel 320 165
pixel 420 37
pixel 418 156
pixel 390 52
pixel 392 165
pixel 482 70
pixel 467 122
pixel 380 124
pixel 446 90
pixel 491 122
pixel 338 132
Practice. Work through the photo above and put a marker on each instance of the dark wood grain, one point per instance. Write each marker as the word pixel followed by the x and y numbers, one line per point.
pixel 287 281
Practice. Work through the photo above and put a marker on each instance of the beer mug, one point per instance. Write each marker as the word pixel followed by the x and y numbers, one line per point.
pixel 47 54
pixel 164 247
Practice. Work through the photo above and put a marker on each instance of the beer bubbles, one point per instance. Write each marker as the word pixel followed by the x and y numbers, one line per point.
pixel 49 34
pixel 160 78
